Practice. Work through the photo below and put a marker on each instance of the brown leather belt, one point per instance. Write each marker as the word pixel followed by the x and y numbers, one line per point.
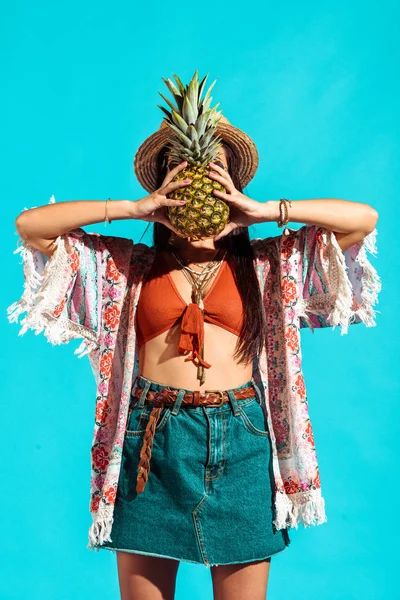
pixel 167 397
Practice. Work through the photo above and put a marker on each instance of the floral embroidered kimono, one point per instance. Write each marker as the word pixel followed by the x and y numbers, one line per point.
pixel 89 289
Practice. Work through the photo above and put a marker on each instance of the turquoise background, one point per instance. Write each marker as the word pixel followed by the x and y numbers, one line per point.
pixel 317 87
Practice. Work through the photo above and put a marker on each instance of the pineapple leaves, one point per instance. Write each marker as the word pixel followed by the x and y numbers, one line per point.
pixel 187 142
pixel 165 111
pixel 170 104
pixel 206 104
pixel 205 140
pixel 202 123
pixel 197 149
pixel 192 133
pixel 207 96
pixel 180 84
pixel 192 122
pixel 192 95
pixel 172 88
pixel 175 92
pixel 201 87
pixel 179 122
pixel 188 112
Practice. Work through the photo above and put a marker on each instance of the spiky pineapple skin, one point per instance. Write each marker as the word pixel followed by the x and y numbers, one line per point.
pixel 204 214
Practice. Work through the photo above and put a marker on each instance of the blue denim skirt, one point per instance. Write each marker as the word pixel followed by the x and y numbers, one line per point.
pixel 209 493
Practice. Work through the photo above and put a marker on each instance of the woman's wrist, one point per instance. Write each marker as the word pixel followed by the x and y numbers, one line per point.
pixel 132 209
pixel 120 209
pixel 271 210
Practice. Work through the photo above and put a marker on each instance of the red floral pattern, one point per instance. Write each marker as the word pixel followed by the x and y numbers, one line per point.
pixel 100 458
pixel 287 246
pixel 291 486
pixel 112 271
pixel 111 316
pixel 292 339
pixel 288 291
pixel 74 262
pixel 317 481
pixel 58 309
pixel 301 388
pixel 309 434
pixel 106 363
pixel 111 494
pixel 94 504
pixel 101 411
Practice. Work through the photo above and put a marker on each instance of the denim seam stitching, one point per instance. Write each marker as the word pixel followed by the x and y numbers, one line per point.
pixel 250 427
pixel 199 531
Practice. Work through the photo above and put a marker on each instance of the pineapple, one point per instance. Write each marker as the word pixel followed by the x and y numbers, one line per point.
pixel 193 137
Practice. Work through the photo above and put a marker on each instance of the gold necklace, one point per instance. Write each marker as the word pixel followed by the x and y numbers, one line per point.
pixel 198 282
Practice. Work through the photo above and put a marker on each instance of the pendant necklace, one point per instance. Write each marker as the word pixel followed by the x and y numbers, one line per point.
pixel 198 281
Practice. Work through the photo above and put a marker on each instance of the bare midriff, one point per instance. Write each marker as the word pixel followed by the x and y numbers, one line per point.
pixel 160 360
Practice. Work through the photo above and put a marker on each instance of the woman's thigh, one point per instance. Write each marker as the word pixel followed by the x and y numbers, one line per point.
pixel 243 581
pixel 143 577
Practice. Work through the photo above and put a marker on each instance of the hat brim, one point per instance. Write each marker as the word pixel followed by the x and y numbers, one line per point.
pixel 145 160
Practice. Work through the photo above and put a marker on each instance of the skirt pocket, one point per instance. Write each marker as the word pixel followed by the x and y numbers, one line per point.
pixel 252 417
pixel 138 419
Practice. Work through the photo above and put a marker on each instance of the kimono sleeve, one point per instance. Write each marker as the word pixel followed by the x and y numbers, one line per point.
pixel 336 288
pixel 62 295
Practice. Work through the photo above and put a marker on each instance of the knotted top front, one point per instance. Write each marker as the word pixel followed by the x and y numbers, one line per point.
pixel 161 307
pixel 192 333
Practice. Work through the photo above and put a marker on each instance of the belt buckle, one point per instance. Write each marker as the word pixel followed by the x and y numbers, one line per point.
pixel 220 392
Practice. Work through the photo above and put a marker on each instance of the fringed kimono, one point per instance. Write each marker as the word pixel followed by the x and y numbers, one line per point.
pixel 89 289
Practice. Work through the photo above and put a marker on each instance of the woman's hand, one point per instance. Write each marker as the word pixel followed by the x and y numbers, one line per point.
pixel 243 210
pixel 152 207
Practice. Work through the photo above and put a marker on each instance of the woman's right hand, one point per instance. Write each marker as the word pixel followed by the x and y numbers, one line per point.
pixel 152 207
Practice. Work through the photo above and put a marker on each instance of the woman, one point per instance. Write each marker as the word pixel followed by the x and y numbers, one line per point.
pixel 211 486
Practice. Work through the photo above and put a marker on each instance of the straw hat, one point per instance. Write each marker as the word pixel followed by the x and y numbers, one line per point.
pixel 145 161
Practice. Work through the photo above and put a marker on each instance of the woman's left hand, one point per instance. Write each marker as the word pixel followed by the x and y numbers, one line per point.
pixel 243 210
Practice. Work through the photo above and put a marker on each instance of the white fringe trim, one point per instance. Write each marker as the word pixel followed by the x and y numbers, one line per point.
pixel 42 283
pixel 371 282
pixel 306 508
pixel 100 530
pixel 338 304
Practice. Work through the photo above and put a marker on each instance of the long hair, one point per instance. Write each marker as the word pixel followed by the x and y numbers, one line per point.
pixel 237 244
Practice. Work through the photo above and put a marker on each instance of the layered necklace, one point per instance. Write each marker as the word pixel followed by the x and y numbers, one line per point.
pixel 199 280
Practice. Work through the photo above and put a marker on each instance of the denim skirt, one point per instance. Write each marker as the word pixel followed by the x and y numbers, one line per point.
pixel 209 494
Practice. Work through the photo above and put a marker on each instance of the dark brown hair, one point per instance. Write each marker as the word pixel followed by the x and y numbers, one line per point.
pixel 237 244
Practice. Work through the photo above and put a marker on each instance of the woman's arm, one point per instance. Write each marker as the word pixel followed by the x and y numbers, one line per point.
pixel 41 226
pixel 350 221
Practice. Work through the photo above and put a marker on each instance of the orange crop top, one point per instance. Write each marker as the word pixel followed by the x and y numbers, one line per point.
pixel 161 306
